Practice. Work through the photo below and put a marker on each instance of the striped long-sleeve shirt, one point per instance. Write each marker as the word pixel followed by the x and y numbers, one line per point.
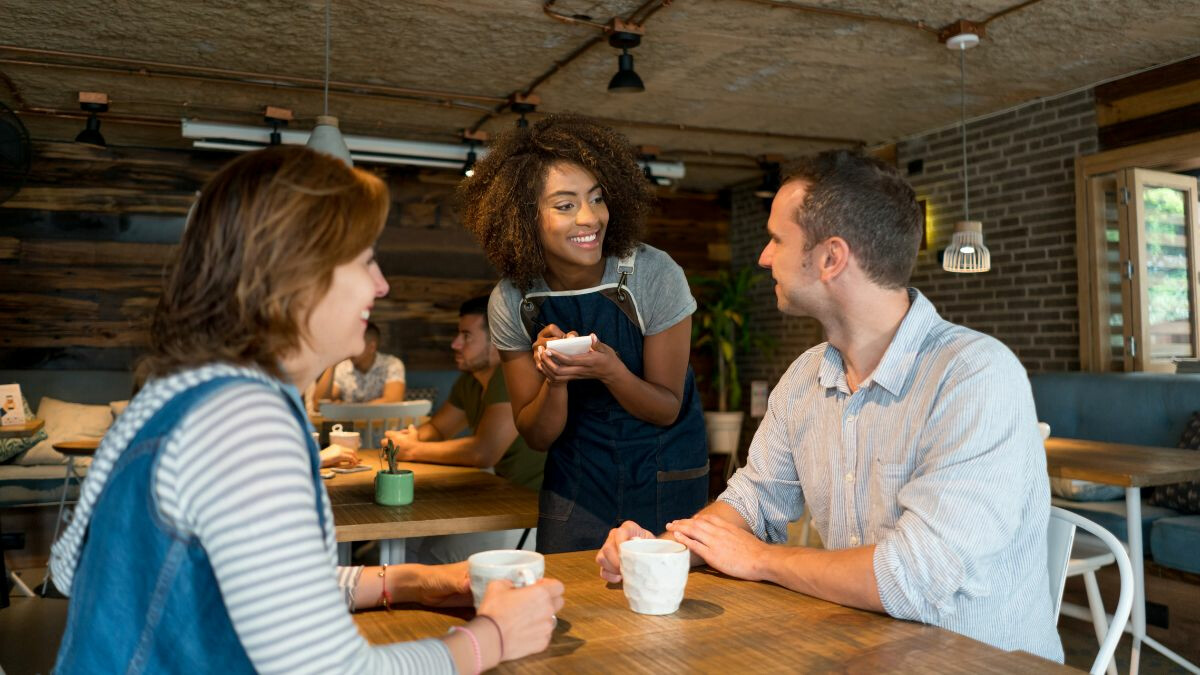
pixel 236 473
pixel 936 460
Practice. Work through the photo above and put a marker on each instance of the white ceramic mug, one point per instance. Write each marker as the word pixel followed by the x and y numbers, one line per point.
pixel 1045 429
pixel 654 573
pixel 346 439
pixel 522 568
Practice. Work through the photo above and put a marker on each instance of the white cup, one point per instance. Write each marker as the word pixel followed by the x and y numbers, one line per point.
pixel 1045 429
pixel 346 439
pixel 654 573
pixel 522 568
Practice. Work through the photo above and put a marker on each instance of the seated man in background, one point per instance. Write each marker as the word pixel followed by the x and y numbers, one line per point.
pixel 370 377
pixel 479 400
pixel 913 441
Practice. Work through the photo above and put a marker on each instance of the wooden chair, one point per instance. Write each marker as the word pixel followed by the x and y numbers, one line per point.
pixel 372 419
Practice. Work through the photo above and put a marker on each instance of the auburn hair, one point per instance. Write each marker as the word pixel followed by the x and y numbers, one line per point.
pixel 258 252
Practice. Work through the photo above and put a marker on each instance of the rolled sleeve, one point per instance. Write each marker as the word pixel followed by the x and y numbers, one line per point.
pixel 766 492
pixel 954 524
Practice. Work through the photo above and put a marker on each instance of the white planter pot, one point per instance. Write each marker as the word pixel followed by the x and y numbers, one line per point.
pixel 724 429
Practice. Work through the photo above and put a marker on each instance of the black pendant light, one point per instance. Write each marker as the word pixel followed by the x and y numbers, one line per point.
pixel 92 103
pixel 626 80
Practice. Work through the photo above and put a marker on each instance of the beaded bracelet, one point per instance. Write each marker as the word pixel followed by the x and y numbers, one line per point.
pixel 385 598
pixel 474 646
pixel 499 633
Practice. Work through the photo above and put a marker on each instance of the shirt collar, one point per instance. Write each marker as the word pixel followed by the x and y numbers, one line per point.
pixel 897 361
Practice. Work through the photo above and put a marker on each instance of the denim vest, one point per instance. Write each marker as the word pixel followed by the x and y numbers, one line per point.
pixel 144 597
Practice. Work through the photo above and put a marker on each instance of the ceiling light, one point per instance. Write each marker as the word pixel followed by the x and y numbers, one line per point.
pixel 966 252
pixel 523 104
pixel 367 149
pixel 92 102
pixel 472 137
pixel 276 117
pixel 625 36
pixel 326 137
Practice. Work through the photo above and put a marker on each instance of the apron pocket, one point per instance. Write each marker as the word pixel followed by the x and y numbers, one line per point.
pixel 553 506
pixel 681 494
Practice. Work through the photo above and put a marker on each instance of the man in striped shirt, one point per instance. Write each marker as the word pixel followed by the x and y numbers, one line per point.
pixel 913 441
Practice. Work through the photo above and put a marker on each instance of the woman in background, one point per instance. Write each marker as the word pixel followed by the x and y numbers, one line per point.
pixel 204 538
pixel 559 208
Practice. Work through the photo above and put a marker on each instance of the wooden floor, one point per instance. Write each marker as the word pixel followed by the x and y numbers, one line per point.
pixel 30 630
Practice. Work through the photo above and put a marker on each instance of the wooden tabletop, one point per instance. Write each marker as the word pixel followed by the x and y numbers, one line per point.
pixel 82 448
pixel 723 626
pixel 446 500
pixel 1119 463
pixel 18 430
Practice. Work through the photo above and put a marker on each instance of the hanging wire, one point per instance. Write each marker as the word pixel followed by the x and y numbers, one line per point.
pixel 327 56
pixel 962 102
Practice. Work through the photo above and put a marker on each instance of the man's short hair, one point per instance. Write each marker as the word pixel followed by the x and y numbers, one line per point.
pixel 371 334
pixel 479 306
pixel 866 202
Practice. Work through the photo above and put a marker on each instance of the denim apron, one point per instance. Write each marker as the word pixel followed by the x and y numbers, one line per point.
pixel 144 598
pixel 607 466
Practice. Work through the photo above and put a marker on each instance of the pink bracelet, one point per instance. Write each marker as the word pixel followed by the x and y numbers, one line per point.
pixel 499 633
pixel 474 646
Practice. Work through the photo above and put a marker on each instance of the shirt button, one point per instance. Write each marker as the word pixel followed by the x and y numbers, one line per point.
pixel 849 478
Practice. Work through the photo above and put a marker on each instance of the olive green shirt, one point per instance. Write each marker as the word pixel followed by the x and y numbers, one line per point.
pixel 520 463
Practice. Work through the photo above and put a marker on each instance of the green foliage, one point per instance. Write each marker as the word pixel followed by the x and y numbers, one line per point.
pixel 720 324
pixel 1166 255
pixel 389 451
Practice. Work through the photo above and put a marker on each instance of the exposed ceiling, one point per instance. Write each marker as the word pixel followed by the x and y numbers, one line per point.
pixel 726 80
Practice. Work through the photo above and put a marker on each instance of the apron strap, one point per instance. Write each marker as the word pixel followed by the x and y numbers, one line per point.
pixel 531 305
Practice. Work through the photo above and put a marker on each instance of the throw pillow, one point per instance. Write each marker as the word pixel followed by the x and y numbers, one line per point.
pixel 65 422
pixel 1183 497
pixel 11 447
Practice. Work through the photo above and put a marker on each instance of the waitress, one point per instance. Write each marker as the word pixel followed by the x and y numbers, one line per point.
pixel 559 208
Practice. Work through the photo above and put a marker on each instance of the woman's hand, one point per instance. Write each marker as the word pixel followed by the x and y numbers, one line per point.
pixel 600 363
pixel 444 585
pixel 525 616
pixel 550 332
pixel 338 455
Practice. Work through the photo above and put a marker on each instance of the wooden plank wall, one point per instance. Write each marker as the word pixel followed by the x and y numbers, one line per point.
pixel 83 245
pixel 1155 104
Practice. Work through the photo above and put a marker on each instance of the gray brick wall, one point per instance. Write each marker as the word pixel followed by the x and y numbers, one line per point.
pixel 1023 189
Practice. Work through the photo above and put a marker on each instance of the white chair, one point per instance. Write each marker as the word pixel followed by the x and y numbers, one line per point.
pixel 368 417
pixel 1060 536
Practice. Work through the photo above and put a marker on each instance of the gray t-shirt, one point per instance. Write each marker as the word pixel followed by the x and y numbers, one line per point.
pixel 658 286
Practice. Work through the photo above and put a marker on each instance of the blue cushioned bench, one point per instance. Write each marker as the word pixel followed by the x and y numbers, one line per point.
pixel 1137 409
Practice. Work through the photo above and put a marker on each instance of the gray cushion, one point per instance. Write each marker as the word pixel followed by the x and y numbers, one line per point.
pixel 1175 542
pixel 1183 497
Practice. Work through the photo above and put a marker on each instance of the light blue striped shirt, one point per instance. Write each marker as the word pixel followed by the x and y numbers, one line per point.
pixel 936 460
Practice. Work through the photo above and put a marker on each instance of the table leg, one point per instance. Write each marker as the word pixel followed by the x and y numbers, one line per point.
pixel 62 503
pixel 343 552
pixel 391 551
pixel 1133 512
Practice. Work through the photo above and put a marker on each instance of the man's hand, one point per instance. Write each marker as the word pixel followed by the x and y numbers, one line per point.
pixel 404 440
pixel 444 585
pixel 724 546
pixel 609 557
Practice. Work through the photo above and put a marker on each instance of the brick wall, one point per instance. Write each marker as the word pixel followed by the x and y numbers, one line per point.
pixel 1023 189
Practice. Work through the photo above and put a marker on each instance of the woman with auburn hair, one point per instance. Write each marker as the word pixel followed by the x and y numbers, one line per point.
pixel 559 208
pixel 204 538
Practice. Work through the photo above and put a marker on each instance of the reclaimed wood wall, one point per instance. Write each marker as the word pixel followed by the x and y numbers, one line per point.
pixel 84 243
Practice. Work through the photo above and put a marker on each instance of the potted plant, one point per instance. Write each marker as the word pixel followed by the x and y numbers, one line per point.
pixel 720 324
pixel 393 487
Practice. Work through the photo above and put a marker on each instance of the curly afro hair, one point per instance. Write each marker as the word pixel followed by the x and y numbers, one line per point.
pixel 498 204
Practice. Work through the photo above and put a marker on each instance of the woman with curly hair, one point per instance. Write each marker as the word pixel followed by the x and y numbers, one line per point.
pixel 559 208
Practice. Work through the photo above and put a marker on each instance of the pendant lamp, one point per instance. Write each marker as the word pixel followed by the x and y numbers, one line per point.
pixel 966 252
pixel 326 136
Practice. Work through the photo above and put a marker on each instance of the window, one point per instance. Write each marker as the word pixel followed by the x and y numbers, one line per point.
pixel 1138 243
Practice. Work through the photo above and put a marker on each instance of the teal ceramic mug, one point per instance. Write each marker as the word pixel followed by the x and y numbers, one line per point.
pixel 394 489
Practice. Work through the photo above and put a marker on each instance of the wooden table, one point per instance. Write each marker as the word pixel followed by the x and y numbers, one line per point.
pixel 724 625
pixel 72 450
pixel 446 500
pixel 1132 467
pixel 20 430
